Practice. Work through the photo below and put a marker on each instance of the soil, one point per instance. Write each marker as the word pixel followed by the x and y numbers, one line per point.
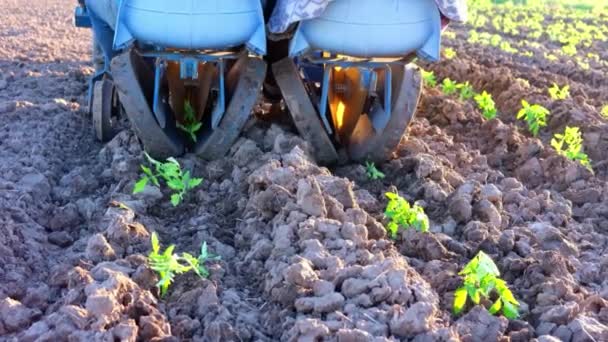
pixel 304 253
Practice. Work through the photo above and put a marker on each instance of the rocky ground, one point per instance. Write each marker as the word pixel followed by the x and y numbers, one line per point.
pixel 304 253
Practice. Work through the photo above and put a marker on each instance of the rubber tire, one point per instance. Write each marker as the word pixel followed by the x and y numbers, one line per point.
pixel 102 110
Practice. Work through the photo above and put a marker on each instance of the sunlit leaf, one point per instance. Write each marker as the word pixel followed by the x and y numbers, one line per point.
pixel 140 185
pixel 460 299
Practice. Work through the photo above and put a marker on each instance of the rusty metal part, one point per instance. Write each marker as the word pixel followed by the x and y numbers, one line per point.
pixel 347 98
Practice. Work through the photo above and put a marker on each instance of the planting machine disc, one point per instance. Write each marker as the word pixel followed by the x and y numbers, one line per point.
pixel 303 111
pixel 243 86
pixel 166 94
pixel 375 139
pixel 361 111
pixel 134 80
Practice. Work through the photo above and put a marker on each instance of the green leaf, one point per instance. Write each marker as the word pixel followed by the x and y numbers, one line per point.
pixel 140 185
pixel 175 184
pixel 391 195
pixel 510 311
pixel 170 170
pixel 496 306
pixel 155 243
pixel 194 182
pixel 196 127
pixel 169 251
pixel 176 199
pixel 460 299
pixel 474 294
pixel 486 265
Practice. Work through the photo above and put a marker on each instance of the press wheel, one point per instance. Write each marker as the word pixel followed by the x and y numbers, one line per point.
pixel 104 109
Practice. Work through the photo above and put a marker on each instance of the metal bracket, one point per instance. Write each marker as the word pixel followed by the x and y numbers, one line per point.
pixel 220 105
pixel 380 115
pixel 188 68
pixel 81 17
pixel 324 97
pixel 159 112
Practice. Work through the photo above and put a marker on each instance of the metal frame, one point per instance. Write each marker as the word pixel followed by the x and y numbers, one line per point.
pixel 369 76
pixel 189 62
pixel 81 16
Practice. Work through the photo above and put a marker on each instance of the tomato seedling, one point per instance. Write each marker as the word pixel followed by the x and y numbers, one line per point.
pixel 573 150
pixel 403 215
pixel 449 53
pixel 558 93
pixel 481 281
pixel 173 176
pixel 534 115
pixel 372 172
pixel 449 87
pixel 604 111
pixel 168 264
pixel 486 105
pixel 190 126
pixel 466 90
pixel 429 78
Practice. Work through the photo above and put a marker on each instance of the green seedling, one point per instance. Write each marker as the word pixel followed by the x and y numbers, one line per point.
pixel 449 87
pixel 604 111
pixel 429 78
pixel 403 215
pixel 466 91
pixel 486 105
pixel 481 281
pixel 173 176
pixel 190 126
pixel 569 50
pixel 572 138
pixel 558 93
pixel 449 53
pixel 534 115
pixel 168 264
pixel 449 34
pixel 372 172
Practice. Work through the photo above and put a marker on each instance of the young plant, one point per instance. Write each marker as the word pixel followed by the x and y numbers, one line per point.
pixel 449 87
pixel 604 111
pixel 190 126
pixel 486 105
pixel 466 91
pixel 481 281
pixel 429 78
pixel 574 150
pixel 558 93
pixel 403 215
pixel 535 116
pixel 372 172
pixel 173 176
pixel 449 53
pixel 168 264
